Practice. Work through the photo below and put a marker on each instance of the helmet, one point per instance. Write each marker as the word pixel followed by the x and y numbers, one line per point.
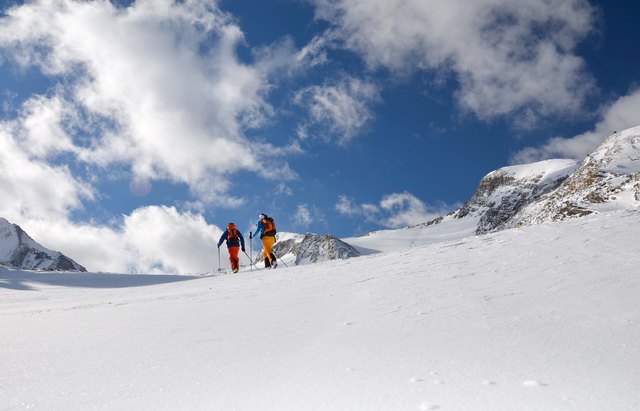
pixel 262 216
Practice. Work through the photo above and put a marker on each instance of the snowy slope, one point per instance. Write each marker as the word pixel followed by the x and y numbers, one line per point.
pixel 545 317
pixel 395 240
pixel 19 250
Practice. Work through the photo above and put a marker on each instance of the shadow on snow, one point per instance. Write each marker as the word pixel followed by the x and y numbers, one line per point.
pixel 21 280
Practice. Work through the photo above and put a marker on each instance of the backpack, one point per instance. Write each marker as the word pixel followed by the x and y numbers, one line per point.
pixel 232 233
pixel 269 226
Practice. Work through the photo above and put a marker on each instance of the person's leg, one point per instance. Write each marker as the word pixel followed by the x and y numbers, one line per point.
pixel 267 246
pixel 233 258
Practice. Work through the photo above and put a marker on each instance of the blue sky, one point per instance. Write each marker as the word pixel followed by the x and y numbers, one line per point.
pixel 131 129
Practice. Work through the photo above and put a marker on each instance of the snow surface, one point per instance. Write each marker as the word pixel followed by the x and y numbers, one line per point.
pixel 8 239
pixel 396 240
pixel 548 170
pixel 541 318
pixel 621 151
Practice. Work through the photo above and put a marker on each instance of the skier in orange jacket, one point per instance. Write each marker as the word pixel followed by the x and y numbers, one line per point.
pixel 267 229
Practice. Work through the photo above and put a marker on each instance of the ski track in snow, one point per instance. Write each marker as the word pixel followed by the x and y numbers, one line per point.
pixel 545 317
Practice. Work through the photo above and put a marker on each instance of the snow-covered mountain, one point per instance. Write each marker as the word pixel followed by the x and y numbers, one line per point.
pixel 607 180
pixel 18 250
pixel 517 196
pixel 309 248
pixel 501 194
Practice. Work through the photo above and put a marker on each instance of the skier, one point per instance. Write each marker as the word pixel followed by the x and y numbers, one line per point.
pixel 235 241
pixel 267 230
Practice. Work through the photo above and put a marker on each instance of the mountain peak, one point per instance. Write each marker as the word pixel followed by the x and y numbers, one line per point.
pixel 606 180
pixel 503 193
pixel 19 250
pixel 312 248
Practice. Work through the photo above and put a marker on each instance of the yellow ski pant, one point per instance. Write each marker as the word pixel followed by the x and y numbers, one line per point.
pixel 267 245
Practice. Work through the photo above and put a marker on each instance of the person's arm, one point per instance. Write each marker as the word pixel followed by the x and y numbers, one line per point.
pixel 260 229
pixel 223 237
pixel 241 240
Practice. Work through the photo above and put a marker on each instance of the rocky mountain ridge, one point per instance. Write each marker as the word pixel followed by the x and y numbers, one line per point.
pixel 606 180
pixel 311 248
pixel 18 250
pixel 503 193
pixel 554 190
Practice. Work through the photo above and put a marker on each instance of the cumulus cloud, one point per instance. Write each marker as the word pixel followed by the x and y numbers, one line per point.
pixel 31 188
pixel 621 114
pixel 394 210
pixel 404 209
pixel 508 56
pixel 41 198
pixel 152 91
pixel 151 240
pixel 158 85
pixel 338 110
pixel 168 241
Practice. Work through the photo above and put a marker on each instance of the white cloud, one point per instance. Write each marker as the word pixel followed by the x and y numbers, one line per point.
pixel 31 188
pixel 622 114
pixel 150 240
pixel 302 217
pixel 340 110
pixel 159 83
pixel 41 197
pixel 307 216
pixel 168 241
pixel 41 128
pixel 283 189
pixel 314 53
pixel 405 209
pixel 347 207
pixel 508 56
pixel 393 211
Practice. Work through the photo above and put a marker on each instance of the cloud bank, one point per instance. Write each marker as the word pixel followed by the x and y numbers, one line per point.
pixel 508 57
pixel 156 88
pixel 153 239
pixel 150 92
pixel 619 115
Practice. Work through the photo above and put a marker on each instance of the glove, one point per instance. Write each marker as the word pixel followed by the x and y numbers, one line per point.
pixel 250 235
pixel 218 245
pixel 243 250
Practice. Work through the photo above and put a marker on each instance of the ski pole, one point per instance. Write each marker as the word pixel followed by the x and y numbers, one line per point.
pixel 278 258
pixel 251 249
pixel 219 261
pixel 250 261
